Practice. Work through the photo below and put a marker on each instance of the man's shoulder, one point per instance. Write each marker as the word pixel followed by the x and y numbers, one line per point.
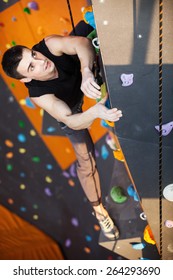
pixel 54 43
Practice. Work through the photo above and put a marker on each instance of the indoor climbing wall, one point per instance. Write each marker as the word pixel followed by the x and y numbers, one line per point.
pixel 26 23
pixel 34 186
pixel 38 178
pixel 129 46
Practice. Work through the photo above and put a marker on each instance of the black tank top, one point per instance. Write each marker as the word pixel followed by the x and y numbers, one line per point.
pixel 67 86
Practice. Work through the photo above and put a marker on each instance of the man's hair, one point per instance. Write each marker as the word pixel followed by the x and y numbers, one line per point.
pixel 10 61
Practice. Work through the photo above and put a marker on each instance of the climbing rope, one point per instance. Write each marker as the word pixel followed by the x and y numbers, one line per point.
pixel 71 16
pixel 160 115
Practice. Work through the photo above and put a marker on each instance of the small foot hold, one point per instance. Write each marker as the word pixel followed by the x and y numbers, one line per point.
pixel 117 194
pixel 131 192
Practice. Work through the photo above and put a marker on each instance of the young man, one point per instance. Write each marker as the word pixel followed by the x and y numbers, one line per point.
pixel 57 72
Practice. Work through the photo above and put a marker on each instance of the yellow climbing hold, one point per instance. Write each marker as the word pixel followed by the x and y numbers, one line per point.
pixel 118 155
pixel 32 132
pixel 22 150
pixel 148 235
pixel 48 179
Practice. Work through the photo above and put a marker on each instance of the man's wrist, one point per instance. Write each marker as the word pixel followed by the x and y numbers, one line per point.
pixel 86 69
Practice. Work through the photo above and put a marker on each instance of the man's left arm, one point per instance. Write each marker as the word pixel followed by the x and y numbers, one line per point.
pixel 84 49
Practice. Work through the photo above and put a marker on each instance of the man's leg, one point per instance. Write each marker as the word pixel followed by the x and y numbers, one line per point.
pixel 89 178
pixel 86 165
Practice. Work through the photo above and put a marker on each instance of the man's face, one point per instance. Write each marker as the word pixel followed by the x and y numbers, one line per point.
pixel 35 65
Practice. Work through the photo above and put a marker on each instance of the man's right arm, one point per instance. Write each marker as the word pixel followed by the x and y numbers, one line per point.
pixel 61 112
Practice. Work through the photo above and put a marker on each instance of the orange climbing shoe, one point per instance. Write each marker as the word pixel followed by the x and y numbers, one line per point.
pixel 108 228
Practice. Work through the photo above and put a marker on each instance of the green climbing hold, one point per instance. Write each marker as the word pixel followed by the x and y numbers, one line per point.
pixel 36 159
pixel 21 124
pixel 13 43
pixel 9 167
pixel 103 92
pixel 117 194
pixel 27 10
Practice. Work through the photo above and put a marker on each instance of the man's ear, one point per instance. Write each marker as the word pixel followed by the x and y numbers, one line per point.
pixel 25 80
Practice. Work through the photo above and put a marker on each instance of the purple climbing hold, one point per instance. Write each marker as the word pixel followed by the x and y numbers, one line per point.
pixel 166 128
pixel 75 222
pixel 48 192
pixel 68 243
pixel 33 5
pixel 126 79
pixel 73 170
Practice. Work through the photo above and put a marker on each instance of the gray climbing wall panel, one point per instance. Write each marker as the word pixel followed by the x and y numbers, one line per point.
pixel 128 33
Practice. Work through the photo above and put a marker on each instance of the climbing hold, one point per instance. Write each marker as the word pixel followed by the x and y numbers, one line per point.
pixel 66 174
pixel 35 159
pixel 148 235
pixel 21 124
pixel 131 192
pixel 168 223
pixel 8 143
pixel 75 222
pixel 22 187
pixel 143 216
pixel 87 250
pixel 138 246
pixel 64 20
pixel 103 92
pixel 14 18
pixel 49 166
pixel 13 85
pixel 51 129
pixel 8 46
pixel 96 43
pixel 48 192
pixel 22 150
pixel 71 183
pixel 32 132
pixel 111 142
pixel 67 243
pixel 118 155
pixel 21 138
pixel 117 194
pixel 13 43
pixel 88 16
pixel 33 5
pixel 48 179
pixel 40 30
pixel 166 128
pixel 104 152
pixel 9 155
pixel 111 124
pixel 9 167
pixel 93 37
pixel 127 79
pixel 168 192
pixel 27 10
pixel 73 170
pixel 29 103
pixel 104 124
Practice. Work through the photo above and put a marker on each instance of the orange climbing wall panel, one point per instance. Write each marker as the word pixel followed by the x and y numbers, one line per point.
pixel 52 17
